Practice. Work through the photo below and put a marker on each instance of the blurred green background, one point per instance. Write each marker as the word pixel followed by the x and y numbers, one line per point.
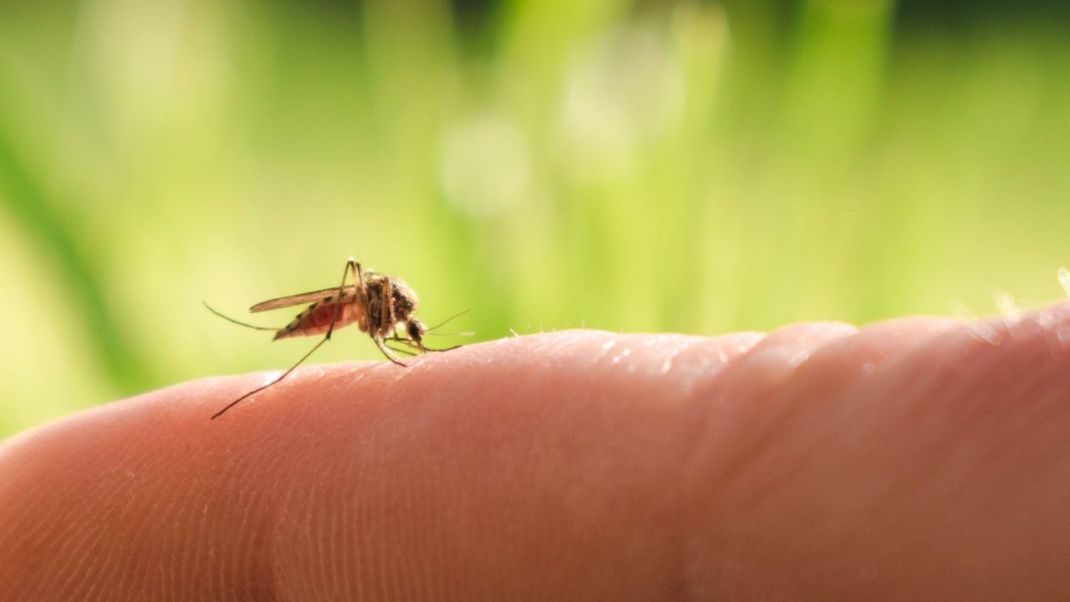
pixel 689 166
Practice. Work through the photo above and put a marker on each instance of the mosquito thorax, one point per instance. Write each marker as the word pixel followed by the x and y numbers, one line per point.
pixel 405 301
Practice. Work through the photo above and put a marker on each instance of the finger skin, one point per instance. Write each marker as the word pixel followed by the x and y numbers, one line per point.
pixel 919 459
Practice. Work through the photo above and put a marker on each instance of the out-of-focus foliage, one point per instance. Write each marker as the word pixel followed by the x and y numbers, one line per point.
pixel 689 166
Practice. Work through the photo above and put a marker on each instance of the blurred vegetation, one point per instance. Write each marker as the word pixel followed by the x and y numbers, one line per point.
pixel 630 165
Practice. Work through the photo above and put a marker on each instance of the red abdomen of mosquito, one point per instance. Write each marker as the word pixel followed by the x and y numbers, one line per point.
pixel 317 319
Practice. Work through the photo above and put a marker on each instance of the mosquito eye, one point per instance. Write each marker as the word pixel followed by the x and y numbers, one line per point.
pixel 414 331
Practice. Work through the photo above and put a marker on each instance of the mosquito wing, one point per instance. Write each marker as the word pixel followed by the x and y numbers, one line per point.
pixel 326 295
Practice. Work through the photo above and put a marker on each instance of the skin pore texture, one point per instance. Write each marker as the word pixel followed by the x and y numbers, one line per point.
pixel 919 459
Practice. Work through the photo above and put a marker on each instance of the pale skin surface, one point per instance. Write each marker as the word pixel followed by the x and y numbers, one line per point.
pixel 924 459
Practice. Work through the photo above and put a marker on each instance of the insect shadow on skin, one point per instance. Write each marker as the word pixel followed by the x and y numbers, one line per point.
pixel 376 303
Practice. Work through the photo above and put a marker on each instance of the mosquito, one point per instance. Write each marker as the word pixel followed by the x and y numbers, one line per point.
pixel 377 303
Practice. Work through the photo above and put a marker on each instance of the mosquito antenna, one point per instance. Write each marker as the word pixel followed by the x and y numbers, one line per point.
pixel 238 322
pixel 447 320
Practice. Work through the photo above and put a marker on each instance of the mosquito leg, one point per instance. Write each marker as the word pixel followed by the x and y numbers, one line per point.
pixel 386 351
pixel 414 345
pixel 358 278
pixel 358 273
pixel 402 340
pixel 388 300
pixel 284 375
pixel 351 266
pixel 402 351
pixel 433 350
pixel 362 292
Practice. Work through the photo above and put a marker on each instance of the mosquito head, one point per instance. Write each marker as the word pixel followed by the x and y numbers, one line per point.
pixel 416 329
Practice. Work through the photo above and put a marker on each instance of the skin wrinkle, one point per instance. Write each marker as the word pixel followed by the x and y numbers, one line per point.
pixel 693 361
pixel 935 449
pixel 878 409
pixel 104 584
pixel 406 572
pixel 260 567
pixel 350 587
pixel 144 522
pixel 90 546
pixel 30 534
pixel 321 562
pixel 437 538
pixel 1005 413
pixel 1050 430
pixel 113 582
pixel 92 502
pixel 815 355
pixel 610 364
pixel 924 479
pixel 334 554
pixel 825 367
pixel 988 418
pixel 330 551
pixel 839 430
pixel 705 465
pixel 360 556
pixel 187 574
pixel 312 563
pixel 379 503
pixel 288 474
pixel 234 501
pixel 87 505
pixel 33 588
pixel 284 516
pixel 152 535
pixel 680 585
pixel 764 367
pixel 272 538
pixel 675 360
pixel 158 530
pixel 232 474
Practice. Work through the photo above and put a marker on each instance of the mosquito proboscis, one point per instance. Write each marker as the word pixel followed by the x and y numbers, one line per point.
pixel 379 305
